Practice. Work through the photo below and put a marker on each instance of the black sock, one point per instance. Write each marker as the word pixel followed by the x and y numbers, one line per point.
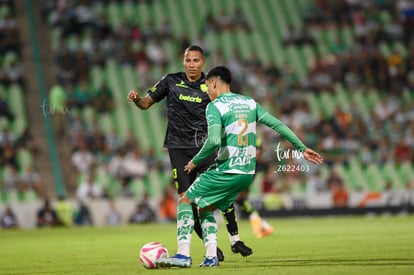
pixel 197 225
pixel 229 217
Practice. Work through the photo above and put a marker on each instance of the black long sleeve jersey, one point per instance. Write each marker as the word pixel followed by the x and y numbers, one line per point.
pixel 186 105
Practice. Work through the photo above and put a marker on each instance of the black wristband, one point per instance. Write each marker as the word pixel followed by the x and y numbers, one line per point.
pixel 137 100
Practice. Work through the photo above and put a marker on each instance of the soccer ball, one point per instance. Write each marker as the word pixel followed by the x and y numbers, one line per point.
pixel 150 252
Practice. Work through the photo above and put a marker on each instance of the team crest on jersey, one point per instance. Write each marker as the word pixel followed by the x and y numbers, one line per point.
pixel 203 88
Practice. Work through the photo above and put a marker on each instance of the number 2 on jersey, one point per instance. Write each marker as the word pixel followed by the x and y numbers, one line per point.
pixel 242 140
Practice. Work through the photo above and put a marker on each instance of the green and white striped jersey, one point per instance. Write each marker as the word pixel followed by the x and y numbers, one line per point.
pixel 231 120
pixel 237 116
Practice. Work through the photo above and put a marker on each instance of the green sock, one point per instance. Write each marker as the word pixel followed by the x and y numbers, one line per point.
pixel 209 226
pixel 185 225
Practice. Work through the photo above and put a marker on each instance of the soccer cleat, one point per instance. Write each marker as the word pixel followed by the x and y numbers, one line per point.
pixel 220 255
pixel 209 262
pixel 265 232
pixel 240 247
pixel 177 260
pixel 257 225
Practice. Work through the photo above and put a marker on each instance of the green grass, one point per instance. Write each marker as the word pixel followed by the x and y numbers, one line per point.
pixel 349 245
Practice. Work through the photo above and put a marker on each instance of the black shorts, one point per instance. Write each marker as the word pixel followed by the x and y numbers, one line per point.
pixel 179 158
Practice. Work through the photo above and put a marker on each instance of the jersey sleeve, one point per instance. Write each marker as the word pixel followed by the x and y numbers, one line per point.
pixel 272 122
pixel 159 90
pixel 213 140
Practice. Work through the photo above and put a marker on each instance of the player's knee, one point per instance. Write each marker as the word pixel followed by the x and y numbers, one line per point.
pixel 184 199
pixel 207 209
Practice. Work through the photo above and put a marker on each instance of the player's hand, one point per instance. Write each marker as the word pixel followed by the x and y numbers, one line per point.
pixel 312 156
pixel 133 96
pixel 189 167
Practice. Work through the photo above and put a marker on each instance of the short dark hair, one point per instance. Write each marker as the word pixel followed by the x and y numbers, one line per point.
pixel 194 48
pixel 220 71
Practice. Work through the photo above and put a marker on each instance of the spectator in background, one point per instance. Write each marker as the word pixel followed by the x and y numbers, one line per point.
pixel 27 141
pixel 112 217
pixel 403 152
pixel 11 180
pixel 82 159
pixel 8 154
pixel 290 36
pixel 113 141
pixel 83 96
pixel 316 184
pixel 30 180
pixel 8 219
pixel 5 109
pixel 340 195
pixel 66 73
pixel 143 212
pixel 103 100
pixel 167 211
pixel 240 21
pixel 47 216
pixel 82 215
pixel 14 73
pixel 134 167
pixel 89 189
pixel 6 136
pixel 165 31
pixel 64 211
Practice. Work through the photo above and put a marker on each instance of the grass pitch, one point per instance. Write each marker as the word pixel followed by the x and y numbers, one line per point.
pixel 339 245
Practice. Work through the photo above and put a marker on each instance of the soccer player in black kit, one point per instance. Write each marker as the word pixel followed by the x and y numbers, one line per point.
pixel 187 100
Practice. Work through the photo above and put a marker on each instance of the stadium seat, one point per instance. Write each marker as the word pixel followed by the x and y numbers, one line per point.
pixel 355 168
pixel 18 108
pixel 389 173
pixel 375 182
pixel 406 173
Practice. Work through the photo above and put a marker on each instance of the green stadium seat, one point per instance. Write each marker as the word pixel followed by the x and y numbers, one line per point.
pixel 328 103
pixel 349 179
pixel 153 184
pixel 385 49
pixel 347 35
pixel 106 122
pixel 389 173
pixel 177 20
pixel 97 77
pixel 355 168
pixel 24 158
pixel 406 173
pixel 361 103
pixel 114 13
pixel 342 97
pixel 314 105
pixel 401 48
pixel 137 188
pixel 375 182
pixel 17 106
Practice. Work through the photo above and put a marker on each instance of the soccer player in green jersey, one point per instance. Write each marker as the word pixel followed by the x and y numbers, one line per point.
pixel 231 120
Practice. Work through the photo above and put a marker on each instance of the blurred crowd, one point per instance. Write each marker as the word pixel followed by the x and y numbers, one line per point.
pixel 86 38
pixel 16 176
pixel 379 63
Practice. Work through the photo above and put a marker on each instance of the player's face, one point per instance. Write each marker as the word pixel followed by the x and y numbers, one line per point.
pixel 193 64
